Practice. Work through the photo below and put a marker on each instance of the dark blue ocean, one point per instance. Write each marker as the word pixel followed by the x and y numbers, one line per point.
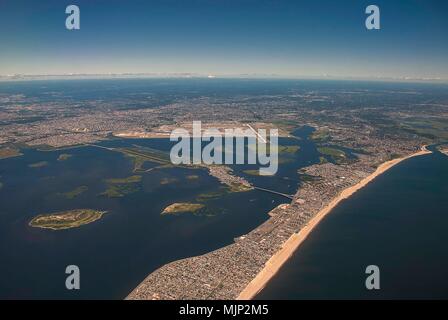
pixel 399 222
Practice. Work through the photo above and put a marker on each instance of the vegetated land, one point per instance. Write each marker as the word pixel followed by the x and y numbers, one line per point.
pixel 336 154
pixel 66 219
pixel 131 179
pixel 120 187
pixel 140 155
pixel 320 135
pixel 9 153
pixel 381 120
pixel 211 195
pixel 75 192
pixel 182 207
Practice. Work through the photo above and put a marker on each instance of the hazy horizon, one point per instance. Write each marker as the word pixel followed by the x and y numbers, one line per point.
pixel 286 39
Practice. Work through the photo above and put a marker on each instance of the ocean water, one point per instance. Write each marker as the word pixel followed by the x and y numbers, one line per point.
pixel 399 222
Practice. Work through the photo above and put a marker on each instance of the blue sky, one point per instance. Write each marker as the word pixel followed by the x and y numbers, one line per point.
pixel 285 38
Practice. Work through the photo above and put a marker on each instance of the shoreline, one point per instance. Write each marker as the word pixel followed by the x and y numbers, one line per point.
pixel 274 264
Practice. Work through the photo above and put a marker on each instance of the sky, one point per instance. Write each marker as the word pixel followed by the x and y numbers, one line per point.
pixel 319 38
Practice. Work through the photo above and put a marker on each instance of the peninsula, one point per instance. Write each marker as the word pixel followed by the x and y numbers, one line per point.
pixel 242 269
pixel 278 259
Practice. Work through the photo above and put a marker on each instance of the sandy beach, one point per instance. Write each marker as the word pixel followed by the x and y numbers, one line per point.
pixel 278 259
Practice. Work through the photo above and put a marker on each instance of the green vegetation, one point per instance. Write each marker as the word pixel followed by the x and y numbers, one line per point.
pixel 120 187
pixel 131 179
pixel 238 187
pixel 66 219
pixel 285 125
pixel 431 128
pixel 336 154
pixel 183 207
pixel 38 164
pixel 9 153
pixel 393 156
pixel 140 155
pixel 212 194
pixel 322 160
pixel 320 135
pixel 221 192
pixel 119 190
pixel 64 156
pixel 75 192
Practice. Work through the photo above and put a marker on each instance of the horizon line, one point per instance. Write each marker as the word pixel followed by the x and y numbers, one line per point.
pixel 191 75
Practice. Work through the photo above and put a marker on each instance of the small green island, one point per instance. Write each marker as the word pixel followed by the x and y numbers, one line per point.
pixel 120 187
pixel 75 192
pixel 66 219
pixel 182 207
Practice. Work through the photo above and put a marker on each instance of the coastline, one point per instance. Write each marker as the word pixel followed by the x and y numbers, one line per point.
pixel 274 264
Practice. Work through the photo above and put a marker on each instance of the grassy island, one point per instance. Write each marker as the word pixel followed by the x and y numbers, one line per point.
pixel 182 207
pixel 75 192
pixel 120 187
pixel 66 219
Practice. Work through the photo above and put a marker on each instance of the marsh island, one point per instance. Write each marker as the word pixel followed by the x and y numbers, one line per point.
pixel 66 219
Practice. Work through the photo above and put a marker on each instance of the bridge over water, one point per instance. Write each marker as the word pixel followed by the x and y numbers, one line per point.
pixel 289 196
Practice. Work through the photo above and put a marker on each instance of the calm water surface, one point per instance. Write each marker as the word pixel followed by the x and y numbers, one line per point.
pixel 399 222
